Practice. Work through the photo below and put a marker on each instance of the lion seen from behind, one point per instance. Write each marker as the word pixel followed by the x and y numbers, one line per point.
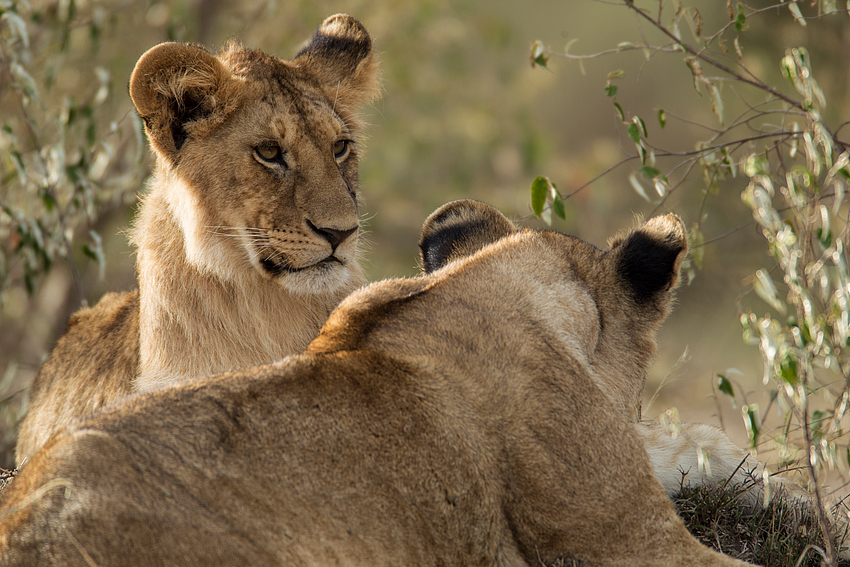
pixel 448 419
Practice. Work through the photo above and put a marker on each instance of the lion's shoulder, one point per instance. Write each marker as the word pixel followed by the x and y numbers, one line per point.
pixel 115 310
pixel 85 369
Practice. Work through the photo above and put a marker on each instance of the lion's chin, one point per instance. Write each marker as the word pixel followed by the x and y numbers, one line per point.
pixel 329 275
pixel 278 269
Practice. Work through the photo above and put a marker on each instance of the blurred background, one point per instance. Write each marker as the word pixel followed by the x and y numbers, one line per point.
pixel 464 115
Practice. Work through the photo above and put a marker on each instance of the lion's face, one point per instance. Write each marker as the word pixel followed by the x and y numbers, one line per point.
pixel 260 154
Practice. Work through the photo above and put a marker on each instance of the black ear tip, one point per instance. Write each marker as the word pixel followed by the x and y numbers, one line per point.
pixel 459 229
pixel 648 259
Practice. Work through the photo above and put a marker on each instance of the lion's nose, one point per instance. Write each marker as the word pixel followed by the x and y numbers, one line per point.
pixel 333 236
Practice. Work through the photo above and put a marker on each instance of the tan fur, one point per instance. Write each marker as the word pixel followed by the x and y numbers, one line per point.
pixel 237 261
pixel 450 419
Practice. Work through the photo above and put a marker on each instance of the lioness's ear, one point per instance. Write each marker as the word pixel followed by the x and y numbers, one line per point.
pixel 648 258
pixel 459 229
pixel 340 56
pixel 174 85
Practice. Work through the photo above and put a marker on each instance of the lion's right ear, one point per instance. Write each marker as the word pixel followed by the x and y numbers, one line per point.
pixel 647 258
pixel 173 86
pixel 460 229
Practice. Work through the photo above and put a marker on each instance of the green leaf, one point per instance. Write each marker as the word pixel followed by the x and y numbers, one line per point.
pixel 788 370
pixel 539 57
pixel 558 207
pixel 620 110
pixel 634 133
pixel 751 422
pixel 716 101
pixel 539 190
pixel 611 90
pixel 91 133
pixel 18 160
pixel 29 282
pixel 741 20
pixel 90 252
pixel 824 237
pixel 48 200
pixel 638 187
pixel 649 172
pixel 695 243
pixel 765 288
pixel 725 386
pixel 662 117
pixel 642 125
pixel 95 252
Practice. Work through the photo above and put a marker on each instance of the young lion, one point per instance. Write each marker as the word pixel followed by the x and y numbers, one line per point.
pixel 247 239
pixel 675 460
pixel 451 419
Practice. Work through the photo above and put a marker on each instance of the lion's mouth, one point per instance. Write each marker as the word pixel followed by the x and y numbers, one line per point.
pixel 276 269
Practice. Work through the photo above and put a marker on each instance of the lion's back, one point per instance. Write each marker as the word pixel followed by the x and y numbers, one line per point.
pixel 87 369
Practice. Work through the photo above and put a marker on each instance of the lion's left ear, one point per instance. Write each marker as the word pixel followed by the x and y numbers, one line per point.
pixel 648 258
pixel 340 56
pixel 460 229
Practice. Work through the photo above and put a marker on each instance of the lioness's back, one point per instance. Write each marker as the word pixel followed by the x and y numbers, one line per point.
pixel 80 364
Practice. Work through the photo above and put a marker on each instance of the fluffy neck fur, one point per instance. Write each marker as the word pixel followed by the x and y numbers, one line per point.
pixel 194 323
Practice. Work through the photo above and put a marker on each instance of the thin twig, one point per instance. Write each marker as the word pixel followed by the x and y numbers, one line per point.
pixel 716 64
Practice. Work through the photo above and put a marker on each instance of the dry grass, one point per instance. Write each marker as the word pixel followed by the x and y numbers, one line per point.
pixel 6 477
pixel 781 534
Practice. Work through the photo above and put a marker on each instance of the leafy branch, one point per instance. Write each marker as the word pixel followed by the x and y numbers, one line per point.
pixel 797 170
pixel 60 170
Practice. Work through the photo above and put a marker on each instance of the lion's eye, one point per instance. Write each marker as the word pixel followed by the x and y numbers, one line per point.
pixel 270 153
pixel 341 148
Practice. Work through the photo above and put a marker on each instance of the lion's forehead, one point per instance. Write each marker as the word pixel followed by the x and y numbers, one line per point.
pixel 282 113
pixel 282 97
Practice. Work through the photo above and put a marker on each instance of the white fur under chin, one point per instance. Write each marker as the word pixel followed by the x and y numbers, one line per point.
pixel 316 280
pixel 232 327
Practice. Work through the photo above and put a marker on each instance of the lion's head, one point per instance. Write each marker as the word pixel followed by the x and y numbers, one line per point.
pixel 259 155
pixel 625 287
